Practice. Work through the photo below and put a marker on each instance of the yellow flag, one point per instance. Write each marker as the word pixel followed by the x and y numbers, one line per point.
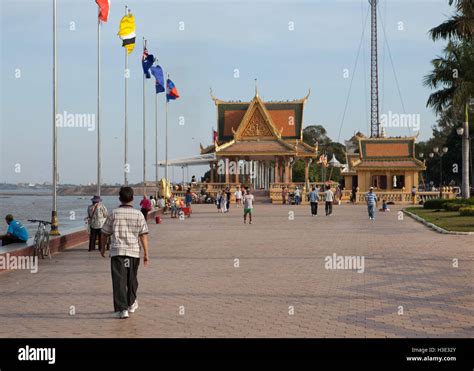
pixel 127 32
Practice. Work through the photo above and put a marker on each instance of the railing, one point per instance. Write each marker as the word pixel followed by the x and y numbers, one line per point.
pixel 400 196
pixel 276 190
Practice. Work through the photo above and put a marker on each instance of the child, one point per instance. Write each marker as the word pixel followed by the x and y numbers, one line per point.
pixel 223 202
pixel 129 231
pixel 384 206
pixel 173 207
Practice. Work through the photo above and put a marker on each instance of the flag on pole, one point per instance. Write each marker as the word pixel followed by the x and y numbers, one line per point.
pixel 127 32
pixel 171 91
pixel 147 62
pixel 104 7
pixel 157 72
pixel 214 136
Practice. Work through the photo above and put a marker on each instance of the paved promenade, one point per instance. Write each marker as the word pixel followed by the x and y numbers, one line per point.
pixel 278 287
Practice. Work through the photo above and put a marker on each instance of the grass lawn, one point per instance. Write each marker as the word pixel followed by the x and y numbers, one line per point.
pixel 449 220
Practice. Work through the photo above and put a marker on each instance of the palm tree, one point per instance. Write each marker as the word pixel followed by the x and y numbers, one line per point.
pixel 453 76
pixel 460 26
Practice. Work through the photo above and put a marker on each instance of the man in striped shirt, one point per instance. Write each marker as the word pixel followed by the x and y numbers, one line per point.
pixel 371 199
pixel 128 230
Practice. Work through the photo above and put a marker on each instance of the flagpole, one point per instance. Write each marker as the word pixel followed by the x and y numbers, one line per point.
pixel 54 213
pixel 144 126
pixel 166 130
pixel 156 139
pixel 126 167
pixel 99 154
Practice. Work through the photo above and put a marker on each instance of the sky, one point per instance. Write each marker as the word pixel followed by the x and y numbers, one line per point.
pixel 288 46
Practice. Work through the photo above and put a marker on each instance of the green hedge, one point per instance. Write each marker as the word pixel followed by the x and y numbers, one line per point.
pixel 439 203
pixel 436 203
pixel 466 211
pixel 462 201
pixel 452 206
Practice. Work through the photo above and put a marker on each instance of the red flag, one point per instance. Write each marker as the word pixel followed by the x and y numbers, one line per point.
pixel 104 6
pixel 214 136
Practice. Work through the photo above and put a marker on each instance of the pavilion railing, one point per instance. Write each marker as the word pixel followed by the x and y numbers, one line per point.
pixel 401 196
pixel 277 188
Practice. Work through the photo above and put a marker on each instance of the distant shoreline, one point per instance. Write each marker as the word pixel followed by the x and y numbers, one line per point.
pixel 74 191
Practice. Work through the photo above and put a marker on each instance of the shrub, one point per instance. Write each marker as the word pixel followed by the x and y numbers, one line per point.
pixel 466 211
pixel 436 203
pixel 453 206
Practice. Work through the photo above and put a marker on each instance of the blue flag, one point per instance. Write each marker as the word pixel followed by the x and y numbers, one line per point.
pixel 147 62
pixel 157 72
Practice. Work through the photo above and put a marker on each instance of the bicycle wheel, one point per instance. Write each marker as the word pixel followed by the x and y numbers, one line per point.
pixel 38 250
pixel 40 244
pixel 46 248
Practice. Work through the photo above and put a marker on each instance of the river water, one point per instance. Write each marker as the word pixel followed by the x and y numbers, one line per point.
pixel 37 205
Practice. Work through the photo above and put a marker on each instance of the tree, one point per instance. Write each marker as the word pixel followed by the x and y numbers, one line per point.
pixel 317 135
pixel 453 76
pixel 460 26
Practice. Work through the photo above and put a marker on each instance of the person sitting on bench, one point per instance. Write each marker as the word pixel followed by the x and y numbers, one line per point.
pixel 16 232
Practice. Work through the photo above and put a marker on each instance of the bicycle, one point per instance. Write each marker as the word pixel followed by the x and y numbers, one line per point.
pixel 41 247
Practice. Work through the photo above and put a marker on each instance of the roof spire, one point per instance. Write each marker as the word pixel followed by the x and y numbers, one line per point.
pixel 256 88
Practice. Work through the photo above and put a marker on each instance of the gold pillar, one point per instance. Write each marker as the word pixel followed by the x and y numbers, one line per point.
pixel 277 170
pixel 236 180
pixel 287 170
pixel 227 170
pixel 306 171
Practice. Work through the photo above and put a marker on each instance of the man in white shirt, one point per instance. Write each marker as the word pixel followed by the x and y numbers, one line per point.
pixel 329 196
pixel 248 206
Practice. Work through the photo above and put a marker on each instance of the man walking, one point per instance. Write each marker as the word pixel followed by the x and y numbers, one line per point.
pixel 313 199
pixel 96 216
pixel 129 230
pixel 371 198
pixel 248 205
pixel 297 196
pixel 329 196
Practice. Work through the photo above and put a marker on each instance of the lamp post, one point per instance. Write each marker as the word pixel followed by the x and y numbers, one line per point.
pixel 466 142
pixel 464 132
pixel 422 157
pixel 441 153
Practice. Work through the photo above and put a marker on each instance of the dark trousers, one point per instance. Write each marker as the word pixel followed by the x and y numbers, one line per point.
pixel 124 281
pixel 93 236
pixel 314 208
pixel 328 207
pixel 7 240
pixel 145 213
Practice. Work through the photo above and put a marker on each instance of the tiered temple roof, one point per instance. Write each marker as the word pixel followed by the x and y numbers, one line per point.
pixel 260 128
pixel 395 153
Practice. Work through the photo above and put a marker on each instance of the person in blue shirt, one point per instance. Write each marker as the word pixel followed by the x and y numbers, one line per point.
pixel 188 199
pixel 16 232
pixel 313 199
pixel 371 203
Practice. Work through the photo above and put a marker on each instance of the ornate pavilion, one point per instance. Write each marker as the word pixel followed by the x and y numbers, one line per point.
pixel 258 142
pixel 387 164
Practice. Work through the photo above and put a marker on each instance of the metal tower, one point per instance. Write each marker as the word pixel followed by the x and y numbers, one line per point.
pixel 374 74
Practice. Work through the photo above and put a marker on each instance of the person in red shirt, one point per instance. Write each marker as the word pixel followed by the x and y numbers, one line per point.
pixel 145 205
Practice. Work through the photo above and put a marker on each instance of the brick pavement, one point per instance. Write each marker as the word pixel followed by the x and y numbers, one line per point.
pixel 281 267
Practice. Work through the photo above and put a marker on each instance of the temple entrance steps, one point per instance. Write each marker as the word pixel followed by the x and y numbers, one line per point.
pixel 262 196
